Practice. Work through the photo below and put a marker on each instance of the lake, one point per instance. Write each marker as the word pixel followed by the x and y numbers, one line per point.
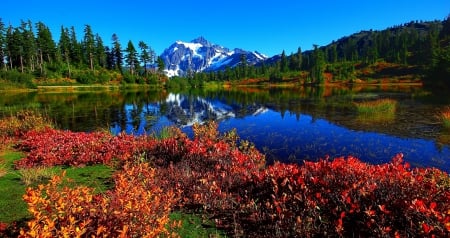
pixel 286 124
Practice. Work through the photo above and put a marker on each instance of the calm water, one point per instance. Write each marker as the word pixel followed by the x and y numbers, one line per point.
pixel 286 124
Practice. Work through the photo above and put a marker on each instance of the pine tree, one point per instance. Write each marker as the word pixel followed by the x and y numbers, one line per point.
pixel 14 48
pixel 318 65
pixel 46 45
pixel 243 66
pixel 76 54
pixel 144 56
pixel 64 47
pixel 28 44
pixel 117 53
pixel 132 58
pixel 89 46
pixel 100 51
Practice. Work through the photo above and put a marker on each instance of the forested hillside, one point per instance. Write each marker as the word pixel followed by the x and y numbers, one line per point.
pixel 414 51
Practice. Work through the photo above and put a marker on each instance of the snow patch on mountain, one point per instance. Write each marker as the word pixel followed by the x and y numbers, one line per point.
pixel 201 55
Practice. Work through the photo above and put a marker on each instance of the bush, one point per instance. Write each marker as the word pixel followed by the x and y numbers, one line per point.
pixel 22 122
pixel 17 77
pixel 84 76
pixel 346 197
pixel 136 207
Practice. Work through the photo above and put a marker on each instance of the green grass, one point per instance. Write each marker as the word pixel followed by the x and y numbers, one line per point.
pixel 12 207
pixel 12 187
pixel 194 226
pixel 98 177
pixel 377 106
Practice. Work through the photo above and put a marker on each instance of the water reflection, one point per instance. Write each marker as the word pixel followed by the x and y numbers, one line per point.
pixel 286 124
pixel 290 136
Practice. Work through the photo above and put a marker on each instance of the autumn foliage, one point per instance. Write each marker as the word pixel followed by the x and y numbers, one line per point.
pixel 226 178
pixel 136 207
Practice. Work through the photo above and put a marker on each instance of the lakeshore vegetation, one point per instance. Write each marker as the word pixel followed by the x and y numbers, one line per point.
pixel 144 185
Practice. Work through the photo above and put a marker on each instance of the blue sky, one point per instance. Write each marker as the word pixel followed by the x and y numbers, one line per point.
pixel 266 26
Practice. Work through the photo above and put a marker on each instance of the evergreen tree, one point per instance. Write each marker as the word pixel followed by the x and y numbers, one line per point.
pixel 161 65
pixel 243 66
pixel 318 65
pixel 284 62
pixel 46 45
pixel 64 47
pixel 110 61
pixel 28 44
pixel 100 51
pixel 76 54
pixel 14 48
pixel 132 58
pixel 293 62
pixel 144 56
pixel 117 53
pixel 89 46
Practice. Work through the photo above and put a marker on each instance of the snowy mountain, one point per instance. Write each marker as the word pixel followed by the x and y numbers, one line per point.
pixel 200 55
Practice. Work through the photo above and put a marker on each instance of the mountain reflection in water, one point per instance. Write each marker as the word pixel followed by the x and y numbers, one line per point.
pixel 287 136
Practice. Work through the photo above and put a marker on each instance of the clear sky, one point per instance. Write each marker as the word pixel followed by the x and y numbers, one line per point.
pixel 268 26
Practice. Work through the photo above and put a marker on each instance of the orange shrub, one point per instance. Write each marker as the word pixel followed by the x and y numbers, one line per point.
pixel 136 207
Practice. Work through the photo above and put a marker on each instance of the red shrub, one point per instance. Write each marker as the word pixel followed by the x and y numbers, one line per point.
pixel 351 198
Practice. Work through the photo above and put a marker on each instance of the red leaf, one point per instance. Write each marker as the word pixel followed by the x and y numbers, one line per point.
pixel 433 205
pixel 426 228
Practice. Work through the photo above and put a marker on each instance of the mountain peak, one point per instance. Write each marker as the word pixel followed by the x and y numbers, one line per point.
pixel 201 40
pixel 200 55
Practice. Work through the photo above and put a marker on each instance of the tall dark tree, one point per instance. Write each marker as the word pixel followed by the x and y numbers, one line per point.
pixel 132 58
pixel 117 53
pixel 64 47
pixel 110 61
pixel 160 64
pixel 14 48
pixel 46 45
pixel 144 56
pixel 318 65
pixel 243 65
pixel 28 44
pixel 89 46
pixel 100 51
pixel 76 54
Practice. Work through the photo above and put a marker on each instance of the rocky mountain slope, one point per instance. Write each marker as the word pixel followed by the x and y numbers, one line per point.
pixel 200 55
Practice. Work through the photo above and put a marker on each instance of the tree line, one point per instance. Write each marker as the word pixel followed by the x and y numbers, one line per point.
pixel 30 49
pixel 424 45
